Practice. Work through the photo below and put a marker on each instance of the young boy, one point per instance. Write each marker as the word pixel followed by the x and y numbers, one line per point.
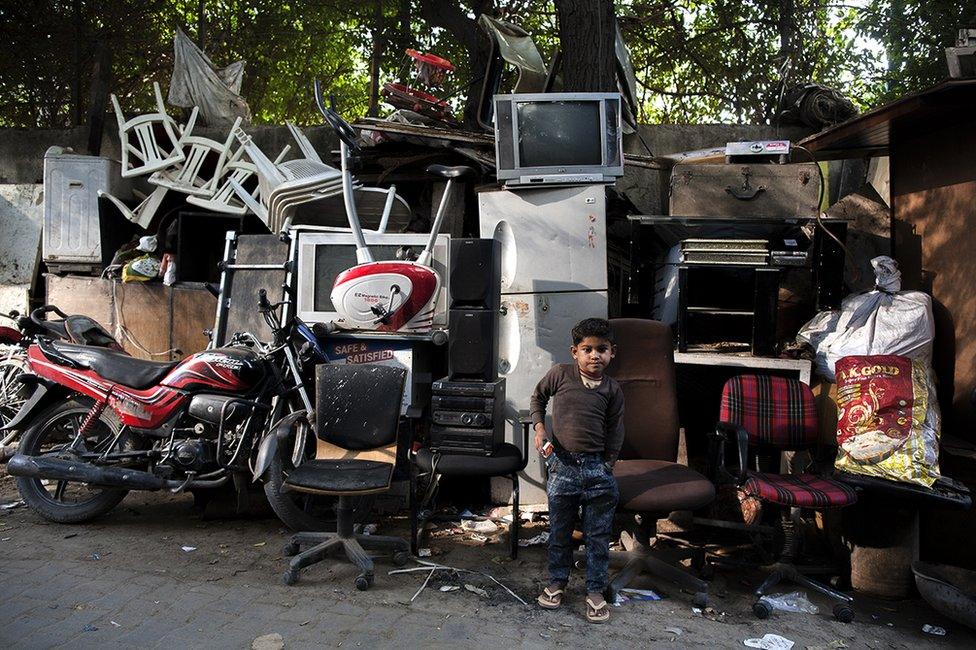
pixel 587 432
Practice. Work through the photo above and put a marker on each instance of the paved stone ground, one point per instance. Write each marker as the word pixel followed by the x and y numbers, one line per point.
pixel 125 582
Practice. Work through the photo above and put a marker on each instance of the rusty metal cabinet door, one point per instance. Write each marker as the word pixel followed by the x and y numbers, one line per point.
pixel 765 191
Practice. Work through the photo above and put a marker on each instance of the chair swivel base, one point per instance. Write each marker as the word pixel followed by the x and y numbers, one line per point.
pixel 355 547
pixel 843 611
pixel 643 561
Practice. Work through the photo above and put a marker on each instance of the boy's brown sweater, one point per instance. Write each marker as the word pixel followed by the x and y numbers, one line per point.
pixel 583 419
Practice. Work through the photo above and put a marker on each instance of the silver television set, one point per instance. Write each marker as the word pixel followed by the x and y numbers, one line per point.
pixel 321 256
pixel 558 138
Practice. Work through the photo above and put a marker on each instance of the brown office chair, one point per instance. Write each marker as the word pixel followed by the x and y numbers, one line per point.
pixel 357 413
pixel 651 483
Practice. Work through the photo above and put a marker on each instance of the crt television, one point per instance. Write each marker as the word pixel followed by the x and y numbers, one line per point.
pixel 321 256
pixel 558 138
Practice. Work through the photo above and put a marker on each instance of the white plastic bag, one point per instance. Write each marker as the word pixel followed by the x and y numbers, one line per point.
pixel 885 320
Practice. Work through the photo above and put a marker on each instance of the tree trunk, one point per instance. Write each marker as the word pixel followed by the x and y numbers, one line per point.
pixel 586 37
pixel 374 62
pixel 404 36
pixel 449 15
pixel 202 24
pixel 76 65
pixel 895 45
pixel 100 85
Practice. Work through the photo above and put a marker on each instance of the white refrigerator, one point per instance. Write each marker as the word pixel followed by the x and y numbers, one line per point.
pixel 553 274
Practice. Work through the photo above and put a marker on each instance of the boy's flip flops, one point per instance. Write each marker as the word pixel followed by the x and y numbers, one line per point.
pixel 597 613
pixel 551 598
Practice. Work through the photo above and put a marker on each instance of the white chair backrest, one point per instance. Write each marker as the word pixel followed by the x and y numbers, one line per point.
pixel 142 153
pixel 200 173
pixel 304 145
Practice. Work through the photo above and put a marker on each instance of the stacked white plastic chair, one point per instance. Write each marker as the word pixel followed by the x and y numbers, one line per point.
pixel 185 163
pixel 286 185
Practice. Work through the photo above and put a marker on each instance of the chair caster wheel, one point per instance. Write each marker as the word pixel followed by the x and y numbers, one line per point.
pixel 707 572
pixel 290 549
pixel 843 612
pixel 400 558
pixel 762 609
pixel 290 577
pixel 700 599
pixel 364 581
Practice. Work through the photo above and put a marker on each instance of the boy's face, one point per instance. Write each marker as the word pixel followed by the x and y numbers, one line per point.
pixel 592 355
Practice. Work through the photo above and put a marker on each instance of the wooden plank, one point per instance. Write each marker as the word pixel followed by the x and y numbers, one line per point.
pixel 802 367
pixel 84 296
pixel 193 311
pixel 144 311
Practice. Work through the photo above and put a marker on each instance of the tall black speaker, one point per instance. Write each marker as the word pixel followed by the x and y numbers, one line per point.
pixel 475 281
pixel 472 353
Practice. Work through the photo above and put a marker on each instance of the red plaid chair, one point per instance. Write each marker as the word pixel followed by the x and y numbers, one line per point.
pixel 774 414
pixel 777 413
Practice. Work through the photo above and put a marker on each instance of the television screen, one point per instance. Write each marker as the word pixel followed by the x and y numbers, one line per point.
pixel 556 134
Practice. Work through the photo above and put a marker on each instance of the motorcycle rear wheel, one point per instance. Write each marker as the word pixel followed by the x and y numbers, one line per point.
pixel 67 502
pixel 13 394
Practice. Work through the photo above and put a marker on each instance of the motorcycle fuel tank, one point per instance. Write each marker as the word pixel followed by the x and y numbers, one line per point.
pixel 225 370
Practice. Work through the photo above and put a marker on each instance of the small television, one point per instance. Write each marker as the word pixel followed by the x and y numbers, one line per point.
pixel 321 256
pixel 558 138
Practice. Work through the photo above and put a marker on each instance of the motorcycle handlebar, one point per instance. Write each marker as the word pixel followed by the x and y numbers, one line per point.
pixel 39 315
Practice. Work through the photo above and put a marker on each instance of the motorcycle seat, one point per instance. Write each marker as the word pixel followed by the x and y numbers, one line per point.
pixel 114 366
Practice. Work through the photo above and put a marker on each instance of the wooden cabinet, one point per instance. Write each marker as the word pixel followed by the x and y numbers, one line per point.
pixel 145 317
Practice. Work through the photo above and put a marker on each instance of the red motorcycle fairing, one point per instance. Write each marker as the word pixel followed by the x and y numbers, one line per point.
pixel 9 335
pixel 227 370
pixel 223 370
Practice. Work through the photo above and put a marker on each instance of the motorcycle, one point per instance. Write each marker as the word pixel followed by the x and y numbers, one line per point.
pixel 100 423
pixel 14 342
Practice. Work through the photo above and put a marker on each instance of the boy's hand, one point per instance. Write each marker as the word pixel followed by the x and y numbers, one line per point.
pixel 540 437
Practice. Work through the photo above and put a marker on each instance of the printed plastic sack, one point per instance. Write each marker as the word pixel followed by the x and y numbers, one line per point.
pixel 140 269
pixel 885 320
pixel 887 419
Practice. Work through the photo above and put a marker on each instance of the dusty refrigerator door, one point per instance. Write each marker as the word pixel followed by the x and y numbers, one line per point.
pixel 72 235
pixel 533 334
pixel 552 239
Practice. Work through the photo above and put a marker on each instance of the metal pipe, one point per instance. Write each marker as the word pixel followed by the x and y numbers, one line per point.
pixel 57 469
pixel 435 228
pixel 363 254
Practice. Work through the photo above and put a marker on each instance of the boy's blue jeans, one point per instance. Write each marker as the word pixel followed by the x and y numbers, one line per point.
pixel 580 480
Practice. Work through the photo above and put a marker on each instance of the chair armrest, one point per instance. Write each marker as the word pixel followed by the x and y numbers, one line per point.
pixel 526 421
pixel 725 431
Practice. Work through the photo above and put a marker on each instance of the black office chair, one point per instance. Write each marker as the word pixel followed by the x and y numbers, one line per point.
pixel 357 413
pixel 505 460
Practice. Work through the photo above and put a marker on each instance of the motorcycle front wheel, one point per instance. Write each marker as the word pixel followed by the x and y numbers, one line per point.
pixel 54 433
pixel 298 511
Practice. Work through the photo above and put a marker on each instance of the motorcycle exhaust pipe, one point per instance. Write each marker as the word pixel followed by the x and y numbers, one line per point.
pixel 58 469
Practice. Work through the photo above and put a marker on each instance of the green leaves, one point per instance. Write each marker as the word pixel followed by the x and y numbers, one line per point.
pixel 695 60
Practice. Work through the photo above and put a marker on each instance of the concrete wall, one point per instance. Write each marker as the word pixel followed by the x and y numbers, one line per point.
pixel 21 216
pixel 22 150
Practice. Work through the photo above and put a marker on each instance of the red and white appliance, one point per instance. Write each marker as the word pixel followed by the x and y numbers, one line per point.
pixel 390 295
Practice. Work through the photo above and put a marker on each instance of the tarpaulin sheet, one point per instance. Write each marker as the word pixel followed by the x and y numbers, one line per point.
pixel 197 82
